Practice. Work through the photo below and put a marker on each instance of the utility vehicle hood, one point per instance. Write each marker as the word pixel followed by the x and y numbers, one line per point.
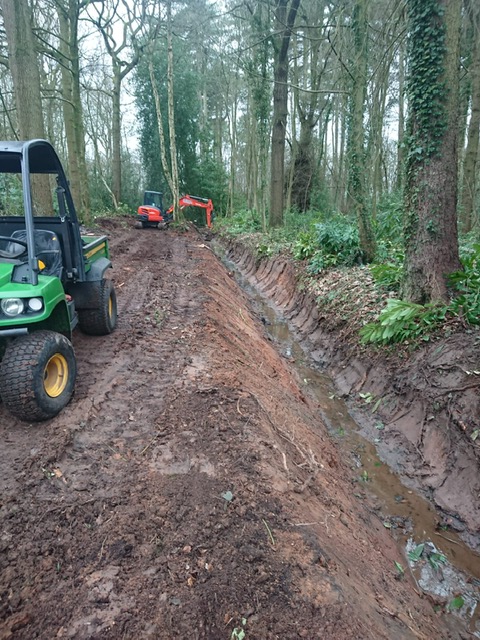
pixel 6 269
pixel 48 286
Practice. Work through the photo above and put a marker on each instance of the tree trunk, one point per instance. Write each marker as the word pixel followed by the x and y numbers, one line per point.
pixel 72 107
pixel 293 150
pixel 356 146
pixel 135 19
pixel 116 131
pixel 284 21
pixel 24 68
pixel 375 142
pixel 307 99
pixel 161 133
pixel 251 157
pixel 401 116
pixel 431 181
pixel 470 181
pixel 177 214
pixel 232 134
pixel 78 111
pixel 304 166
pixel 23 61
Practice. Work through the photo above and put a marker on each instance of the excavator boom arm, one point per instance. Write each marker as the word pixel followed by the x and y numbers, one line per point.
pixel 195 201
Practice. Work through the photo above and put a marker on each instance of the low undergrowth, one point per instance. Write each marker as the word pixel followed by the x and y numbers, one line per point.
pixel 364 299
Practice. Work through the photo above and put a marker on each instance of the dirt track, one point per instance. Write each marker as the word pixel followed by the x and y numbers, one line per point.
pixel 190 489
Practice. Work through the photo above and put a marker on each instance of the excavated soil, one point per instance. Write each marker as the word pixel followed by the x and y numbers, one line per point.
pixel 190 489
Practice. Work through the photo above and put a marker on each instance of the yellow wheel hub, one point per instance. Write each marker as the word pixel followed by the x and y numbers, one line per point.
pixel 55 375
pixel 110 307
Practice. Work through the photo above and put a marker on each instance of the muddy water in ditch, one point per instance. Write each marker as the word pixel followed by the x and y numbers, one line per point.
pixel 439 561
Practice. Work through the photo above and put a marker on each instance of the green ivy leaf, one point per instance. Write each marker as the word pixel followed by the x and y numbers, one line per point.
pixel 456 603
pixel 416 554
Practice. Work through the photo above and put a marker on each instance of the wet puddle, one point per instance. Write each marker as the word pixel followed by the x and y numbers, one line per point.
pixel 441 564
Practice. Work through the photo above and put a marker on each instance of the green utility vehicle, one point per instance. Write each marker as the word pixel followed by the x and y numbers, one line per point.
pixel 51 279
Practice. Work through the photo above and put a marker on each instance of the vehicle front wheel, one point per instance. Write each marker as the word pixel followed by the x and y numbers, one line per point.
pixel 101 320
pixel 37 375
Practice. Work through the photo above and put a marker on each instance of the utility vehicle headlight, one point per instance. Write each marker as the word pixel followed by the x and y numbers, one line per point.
pixel 35 304
pixel 12 306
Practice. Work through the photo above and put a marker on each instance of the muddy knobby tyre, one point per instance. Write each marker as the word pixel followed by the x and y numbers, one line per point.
pixel 101 320
pixel 37 375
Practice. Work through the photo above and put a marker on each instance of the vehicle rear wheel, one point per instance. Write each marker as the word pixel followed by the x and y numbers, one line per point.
pixel 37 375
pixel 139 224
pixel 101 320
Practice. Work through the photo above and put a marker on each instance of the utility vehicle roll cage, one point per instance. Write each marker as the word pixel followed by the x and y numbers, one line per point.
pixel 38 157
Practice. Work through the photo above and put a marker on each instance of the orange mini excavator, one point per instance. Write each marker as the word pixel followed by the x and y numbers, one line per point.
pixel 152 214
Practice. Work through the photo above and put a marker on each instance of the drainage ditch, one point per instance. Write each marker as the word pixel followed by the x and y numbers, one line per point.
pixel 441 564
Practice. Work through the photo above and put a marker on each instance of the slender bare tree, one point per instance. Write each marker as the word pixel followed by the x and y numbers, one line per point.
pixel 126 29
pixel 285 16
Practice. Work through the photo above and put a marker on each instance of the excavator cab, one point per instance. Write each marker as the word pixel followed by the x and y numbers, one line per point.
pixel 153 199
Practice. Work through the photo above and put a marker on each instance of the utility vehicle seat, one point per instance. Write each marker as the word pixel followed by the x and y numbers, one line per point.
pixel 47 249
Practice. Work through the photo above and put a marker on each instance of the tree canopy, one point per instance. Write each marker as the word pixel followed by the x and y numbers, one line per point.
pixel 270 107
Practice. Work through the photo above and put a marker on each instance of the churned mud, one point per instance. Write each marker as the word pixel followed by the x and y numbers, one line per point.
pixel 190 489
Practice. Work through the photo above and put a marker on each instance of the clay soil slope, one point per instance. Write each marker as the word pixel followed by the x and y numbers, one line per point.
pixel 189 490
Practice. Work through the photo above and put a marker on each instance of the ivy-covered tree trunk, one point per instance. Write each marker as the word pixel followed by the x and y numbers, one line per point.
pixel 284 21
pixel 356 139
pixel 470 163
pixel 431 249
pixel 303 168
pixel 309 68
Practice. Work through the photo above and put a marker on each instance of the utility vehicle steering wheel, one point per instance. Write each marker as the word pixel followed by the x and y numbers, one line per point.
pixel 8 254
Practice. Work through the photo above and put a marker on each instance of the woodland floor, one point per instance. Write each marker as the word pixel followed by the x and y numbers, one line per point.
pixel 190 489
